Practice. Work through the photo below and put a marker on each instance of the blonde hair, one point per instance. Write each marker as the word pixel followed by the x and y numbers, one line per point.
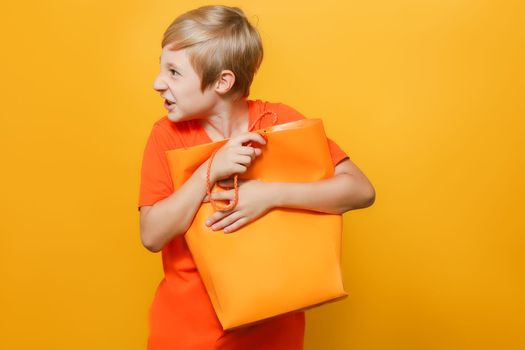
pixel 218 37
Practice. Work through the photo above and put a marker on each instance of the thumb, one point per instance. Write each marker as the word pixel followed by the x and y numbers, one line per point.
pixel 224 195
pixel 230 183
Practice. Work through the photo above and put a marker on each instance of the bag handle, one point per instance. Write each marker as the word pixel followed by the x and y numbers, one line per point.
pixel 210 187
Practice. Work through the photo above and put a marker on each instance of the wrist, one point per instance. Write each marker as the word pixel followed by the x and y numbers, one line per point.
pixel 202 172
pixel 275 191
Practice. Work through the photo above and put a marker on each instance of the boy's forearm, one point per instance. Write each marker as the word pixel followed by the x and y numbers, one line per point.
pixel 335 195
pixel 173 215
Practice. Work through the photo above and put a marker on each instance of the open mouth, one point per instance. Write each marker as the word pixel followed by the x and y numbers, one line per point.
pixel 168 104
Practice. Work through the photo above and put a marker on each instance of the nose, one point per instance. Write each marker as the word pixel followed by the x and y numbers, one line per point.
pixel 159 84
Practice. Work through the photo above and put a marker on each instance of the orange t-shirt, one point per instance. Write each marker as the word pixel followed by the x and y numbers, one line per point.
pixel 181 315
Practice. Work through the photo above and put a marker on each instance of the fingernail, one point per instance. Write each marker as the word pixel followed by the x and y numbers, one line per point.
pixel 208 222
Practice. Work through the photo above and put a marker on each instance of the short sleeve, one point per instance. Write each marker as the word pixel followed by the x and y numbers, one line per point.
pixel 155 178
pixel 336 152
pixel 288 114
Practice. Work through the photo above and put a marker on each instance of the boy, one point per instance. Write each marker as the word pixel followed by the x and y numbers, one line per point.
pixel 209 57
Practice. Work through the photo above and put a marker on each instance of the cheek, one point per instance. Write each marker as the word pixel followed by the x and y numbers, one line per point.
pixel 184 95
pixel 190 98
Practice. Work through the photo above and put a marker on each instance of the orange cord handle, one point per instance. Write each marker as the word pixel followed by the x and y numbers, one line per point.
pixel 210 186
pixel 209 189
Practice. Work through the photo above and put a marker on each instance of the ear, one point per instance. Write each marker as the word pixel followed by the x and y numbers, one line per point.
pixel 225 81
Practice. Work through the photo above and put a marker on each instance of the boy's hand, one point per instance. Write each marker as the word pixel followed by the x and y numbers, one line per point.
pixel 255 199
pixel 234 158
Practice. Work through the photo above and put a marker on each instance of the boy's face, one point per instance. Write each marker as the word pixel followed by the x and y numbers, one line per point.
pixel 179 83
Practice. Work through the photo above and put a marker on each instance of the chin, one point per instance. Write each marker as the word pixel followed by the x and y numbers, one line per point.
pixel 172 116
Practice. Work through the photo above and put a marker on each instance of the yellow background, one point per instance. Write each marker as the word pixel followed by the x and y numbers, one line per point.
pixel 425 96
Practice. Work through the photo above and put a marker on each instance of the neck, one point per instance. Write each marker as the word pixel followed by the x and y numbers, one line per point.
pixel 228 118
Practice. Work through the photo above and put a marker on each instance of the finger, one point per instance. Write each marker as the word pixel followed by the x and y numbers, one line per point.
pixel 236 225
pixel 253 152
pixel 241 159
pixel 250 151
pixel 239 168
pixel 249 136
pixel 216 197
pixel 218 215
pixel 226 221
pixel 223 195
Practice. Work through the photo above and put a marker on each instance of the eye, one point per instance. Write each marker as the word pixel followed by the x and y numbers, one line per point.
pixel 173 70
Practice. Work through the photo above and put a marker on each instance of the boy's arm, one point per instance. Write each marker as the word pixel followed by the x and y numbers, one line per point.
pixel 348 189
pixel 173 215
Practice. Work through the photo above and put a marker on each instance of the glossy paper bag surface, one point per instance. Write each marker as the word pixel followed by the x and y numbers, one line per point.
pixel 286 260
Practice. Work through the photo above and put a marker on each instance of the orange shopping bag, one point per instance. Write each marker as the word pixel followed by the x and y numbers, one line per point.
pixel 288 259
